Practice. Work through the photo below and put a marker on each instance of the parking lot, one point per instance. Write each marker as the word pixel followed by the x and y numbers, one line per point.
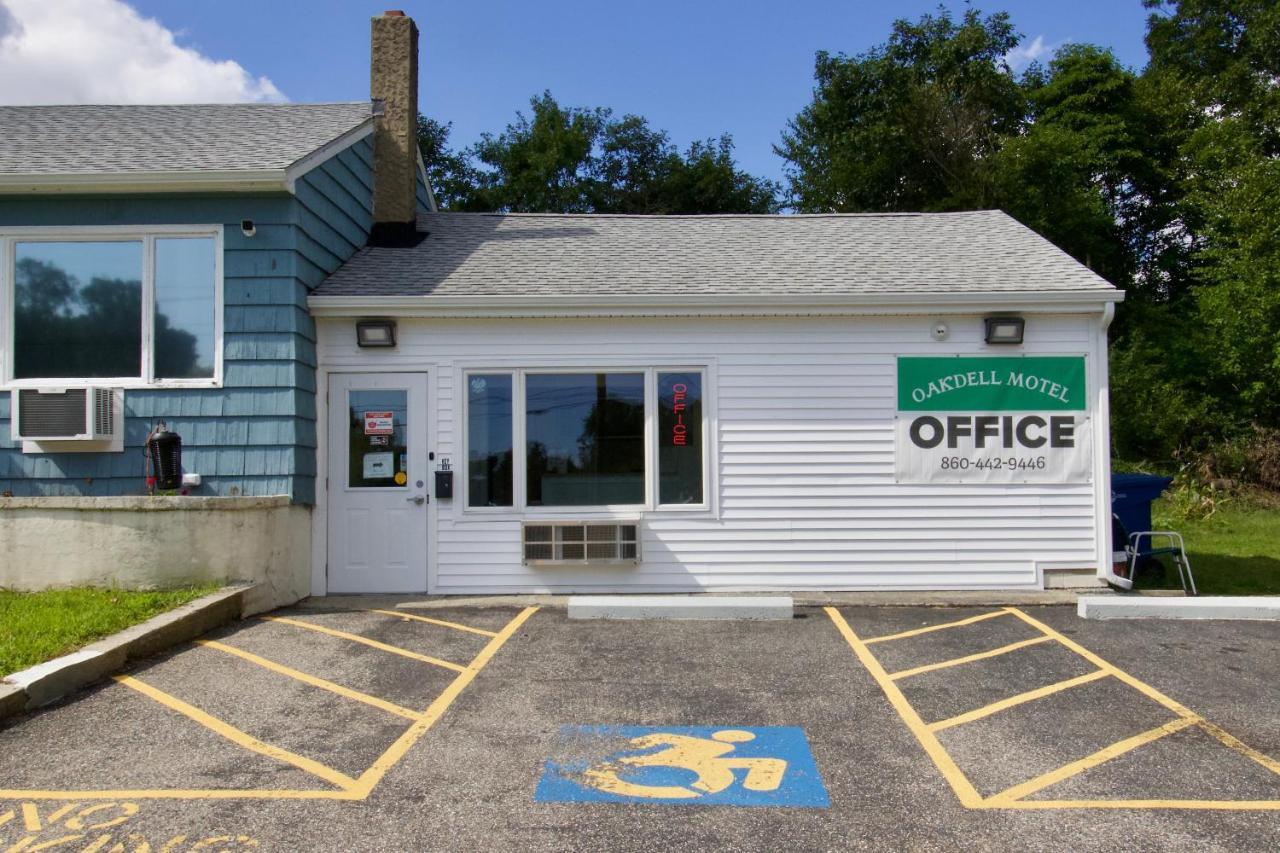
pixel 367 727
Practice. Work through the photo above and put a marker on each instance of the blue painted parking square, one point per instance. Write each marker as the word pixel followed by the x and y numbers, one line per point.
pixel 683 765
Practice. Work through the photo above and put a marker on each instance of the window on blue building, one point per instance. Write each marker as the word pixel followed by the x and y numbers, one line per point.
pixel 126 307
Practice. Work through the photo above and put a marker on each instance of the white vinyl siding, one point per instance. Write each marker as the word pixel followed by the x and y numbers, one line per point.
pixel 801 491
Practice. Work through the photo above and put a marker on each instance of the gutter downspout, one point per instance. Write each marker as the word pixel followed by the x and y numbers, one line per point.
pixel 1103 466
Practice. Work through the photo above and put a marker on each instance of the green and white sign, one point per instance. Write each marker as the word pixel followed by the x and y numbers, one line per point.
pixel 991 384
pixel 993 419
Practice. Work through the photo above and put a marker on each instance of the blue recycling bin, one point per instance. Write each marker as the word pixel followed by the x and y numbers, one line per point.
pixel 1131 499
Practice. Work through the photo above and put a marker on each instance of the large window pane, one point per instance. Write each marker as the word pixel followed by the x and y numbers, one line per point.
pixel 680 438
pixel 185 306
pixel 489 442
pixel 77 310
pixel 378 440
pixel 585 438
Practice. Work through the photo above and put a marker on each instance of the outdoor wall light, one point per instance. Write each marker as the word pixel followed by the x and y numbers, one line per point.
pixel 376 333
pixel 1004 330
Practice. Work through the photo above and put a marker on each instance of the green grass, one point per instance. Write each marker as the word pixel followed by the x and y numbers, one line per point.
pixel 1236 551
pixel 37 626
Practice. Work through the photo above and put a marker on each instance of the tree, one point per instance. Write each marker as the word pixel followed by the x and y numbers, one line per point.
pixel 1075 171
pixel 909 125
pixel 584 160
pixel 1212 336
pixel 1227 55
pixel 541 164
pixel 451 174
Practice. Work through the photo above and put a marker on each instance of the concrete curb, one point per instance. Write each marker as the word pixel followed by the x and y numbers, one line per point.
pixel 1257 607
pixel 680 607
pixel 869 598
pixel 47 682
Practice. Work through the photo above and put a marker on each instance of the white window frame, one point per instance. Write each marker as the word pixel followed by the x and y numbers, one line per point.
pixel 520 505
pixel 147 235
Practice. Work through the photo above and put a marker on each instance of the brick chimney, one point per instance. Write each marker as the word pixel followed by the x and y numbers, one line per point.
pixel 393 86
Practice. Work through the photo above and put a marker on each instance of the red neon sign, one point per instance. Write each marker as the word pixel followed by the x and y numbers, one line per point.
pixel 679 432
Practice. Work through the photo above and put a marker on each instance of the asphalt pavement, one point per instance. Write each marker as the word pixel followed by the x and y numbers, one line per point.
pixel 468 728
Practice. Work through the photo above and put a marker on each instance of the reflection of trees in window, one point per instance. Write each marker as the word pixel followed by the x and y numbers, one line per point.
pixel 585 439
pixel 65 328
pixel 490 455
pixel 609 432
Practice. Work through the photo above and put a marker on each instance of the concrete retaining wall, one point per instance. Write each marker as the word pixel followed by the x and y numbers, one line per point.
pixel 152 542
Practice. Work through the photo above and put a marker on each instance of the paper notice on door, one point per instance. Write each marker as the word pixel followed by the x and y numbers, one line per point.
pixel 379 466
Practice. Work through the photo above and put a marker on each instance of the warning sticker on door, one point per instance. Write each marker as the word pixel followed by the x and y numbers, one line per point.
pixel 379 423
pixel 683 765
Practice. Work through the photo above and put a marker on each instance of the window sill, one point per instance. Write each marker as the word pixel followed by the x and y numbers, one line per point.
pixel 124 384
pixel 481 515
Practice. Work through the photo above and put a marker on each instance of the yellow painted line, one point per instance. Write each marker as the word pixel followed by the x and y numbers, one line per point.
pixel 1013 701
pixel 1102 756
pixel 454 625
pixel 1224 737
pixel 930 667
pixel 314 681
pixel 181 794
pixel 356 638
pixel 236 736
pixel 371 777
pixel 31 817
pixel 1140 686
pixel 930 629
pixel 353 789
pixel 1225 805
pixel 1229 740
pixel 28 844
pixel 963 788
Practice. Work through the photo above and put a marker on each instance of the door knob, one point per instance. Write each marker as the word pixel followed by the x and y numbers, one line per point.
pixel 417 499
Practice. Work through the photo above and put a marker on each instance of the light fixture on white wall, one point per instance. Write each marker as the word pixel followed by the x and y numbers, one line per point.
pixel 376 333
pixel 1004 330
pixel 940 331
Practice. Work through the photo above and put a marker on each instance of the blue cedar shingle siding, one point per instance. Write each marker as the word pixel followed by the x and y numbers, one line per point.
pixel 257 434
pixel 420 190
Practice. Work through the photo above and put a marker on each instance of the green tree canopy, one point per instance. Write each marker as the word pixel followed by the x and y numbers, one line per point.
pixel 584 160
pixel 909 125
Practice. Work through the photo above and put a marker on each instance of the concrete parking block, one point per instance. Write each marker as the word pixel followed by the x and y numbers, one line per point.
pixel 47 682
pixel 680 607
pixel 1262 607
pixel 13 700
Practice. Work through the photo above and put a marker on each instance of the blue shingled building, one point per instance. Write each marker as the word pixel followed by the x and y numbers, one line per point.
pixel 162 256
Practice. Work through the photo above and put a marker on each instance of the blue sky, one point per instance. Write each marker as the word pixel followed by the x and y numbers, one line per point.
pixel 694 68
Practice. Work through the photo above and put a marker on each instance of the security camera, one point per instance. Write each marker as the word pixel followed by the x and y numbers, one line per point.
pixel 247 228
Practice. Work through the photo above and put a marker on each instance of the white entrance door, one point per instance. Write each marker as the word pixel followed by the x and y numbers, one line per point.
pixel 378 491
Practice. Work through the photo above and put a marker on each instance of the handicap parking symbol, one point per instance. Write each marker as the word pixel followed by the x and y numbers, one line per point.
pixel 684 765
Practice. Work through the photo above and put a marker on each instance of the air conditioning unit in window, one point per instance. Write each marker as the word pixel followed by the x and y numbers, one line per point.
pixel 558 543
pixel 66 414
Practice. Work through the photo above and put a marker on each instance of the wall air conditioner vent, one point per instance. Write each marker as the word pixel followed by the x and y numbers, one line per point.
pixel 581 542
pixel 65 414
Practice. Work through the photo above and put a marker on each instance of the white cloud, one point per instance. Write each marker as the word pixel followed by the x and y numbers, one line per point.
pixel 1025 54
pixel 104 52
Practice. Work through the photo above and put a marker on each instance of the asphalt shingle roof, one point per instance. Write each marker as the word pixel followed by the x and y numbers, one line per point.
pixel 603 256
pixel 134 139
